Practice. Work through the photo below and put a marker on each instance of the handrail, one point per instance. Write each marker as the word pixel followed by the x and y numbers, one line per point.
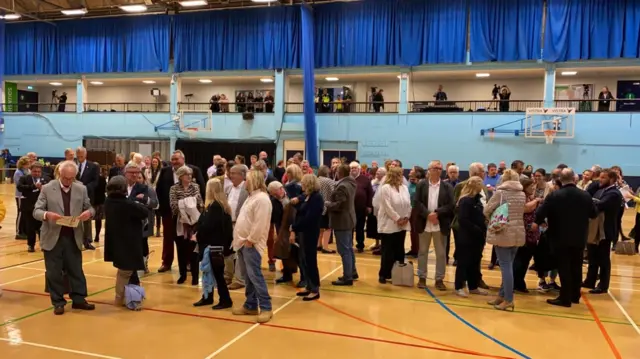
pixel 601 105
pixel 256 107
pixel 344 107
pixel 39 107
pixel 127 107
pixel 474 106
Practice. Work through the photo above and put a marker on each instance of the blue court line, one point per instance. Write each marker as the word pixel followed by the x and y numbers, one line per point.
pixel 478 330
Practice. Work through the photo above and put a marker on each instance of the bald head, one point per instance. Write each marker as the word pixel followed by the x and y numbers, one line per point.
pixel 567 176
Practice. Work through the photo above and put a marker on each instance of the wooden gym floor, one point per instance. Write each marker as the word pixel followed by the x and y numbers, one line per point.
pixel 368 320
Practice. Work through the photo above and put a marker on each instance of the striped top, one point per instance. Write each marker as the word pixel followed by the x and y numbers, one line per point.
pixel 178 192
pixel 326 189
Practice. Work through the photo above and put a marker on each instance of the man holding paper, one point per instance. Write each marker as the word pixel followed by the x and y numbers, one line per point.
pixel 61 206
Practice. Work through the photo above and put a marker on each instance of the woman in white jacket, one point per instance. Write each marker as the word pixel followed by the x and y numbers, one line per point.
pixel 392 206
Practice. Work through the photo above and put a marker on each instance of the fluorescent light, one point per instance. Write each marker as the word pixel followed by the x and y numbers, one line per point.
pixel 96 83
pixel 11 17
pixel 569 73
pixel 482 74
pixel 72 12
pixel 331 78
pixel 55 83
pixel 205 81
pixel 149 82
pixel 133 8
pixel 266 80
pixel 193 3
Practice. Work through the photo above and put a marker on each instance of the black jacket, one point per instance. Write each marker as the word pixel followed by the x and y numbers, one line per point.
pixel 27 187
pixel 472 225
pixel 101 191
pixel 444 210
pixel 609 201
pixel 123 233
pixel 309 212
pixel 567 212
pixel 165 181
pixel 116 171
pixel 89 178
pixel 214 228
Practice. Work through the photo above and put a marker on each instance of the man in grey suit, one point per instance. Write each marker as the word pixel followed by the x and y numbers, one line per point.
pixel 236 195
pixel 62 245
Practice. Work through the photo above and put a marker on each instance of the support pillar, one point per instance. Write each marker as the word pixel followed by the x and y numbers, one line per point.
pixel 2 28
pixel 549 85
pixel 81 94
pixel 174 94
pixel 403 106
pixel 312 142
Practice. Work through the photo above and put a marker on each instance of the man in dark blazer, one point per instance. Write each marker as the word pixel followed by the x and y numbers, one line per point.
pixel 118 168
pixel 88 174
pixel 434 202
pixel 166 179
pixel 607 201
pixel 30 186
pixel 567 212
pixel 342 219
pixel 362 202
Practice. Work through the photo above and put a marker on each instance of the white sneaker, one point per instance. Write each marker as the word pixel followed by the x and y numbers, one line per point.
pixel 462 293
pixel 479 291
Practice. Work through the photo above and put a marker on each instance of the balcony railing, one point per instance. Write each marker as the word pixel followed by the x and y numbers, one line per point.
pixel 474 106
pixel 39 107
pixel 344 107
pixel 127 107
pixel 256 107
pixel 612 105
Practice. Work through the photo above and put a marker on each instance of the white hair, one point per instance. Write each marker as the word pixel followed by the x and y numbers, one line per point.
pixel 454 167
pixel 240 168
pixel 475 168
pixel 81 149
pixel 433 163
pixel 68 165
pixel 131 164
pixel 354 164
pixel 138 157
pixel 274 186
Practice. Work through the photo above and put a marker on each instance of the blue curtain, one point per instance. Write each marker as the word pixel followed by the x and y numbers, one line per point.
pixel 308 73
pixel 591 29
pixel 253 39
pixel 30 49
pixel 505 30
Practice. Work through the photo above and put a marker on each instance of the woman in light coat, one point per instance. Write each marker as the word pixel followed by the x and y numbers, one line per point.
pixel 511 237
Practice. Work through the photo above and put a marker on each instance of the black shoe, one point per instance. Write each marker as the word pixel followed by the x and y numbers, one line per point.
pixel 59 310
pixel 304 293
pixel 301 284
pixel 83 306
pixel 89 246
pixel 491 266
pixel 353 277
pixel 310 298
pixel 455 262
pixel 360 250
pixel 382 280
pixel 576 301
pixel 411 254
pixel 342 283
pixel 522 290
pixel 194 281
pixel 97 240
pixel 163 269
pixel 31 249
pixel 482 284
pixel 203 302
pixel 588 286
pixel 21 236
pixel 222 305
pixel 319 249
pixel 559 303
pixel 283 280
pixel 554 286
pixel 598 291
pixel 182 279
pixel 327 251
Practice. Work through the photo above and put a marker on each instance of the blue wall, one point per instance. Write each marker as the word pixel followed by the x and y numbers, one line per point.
pixel 605 139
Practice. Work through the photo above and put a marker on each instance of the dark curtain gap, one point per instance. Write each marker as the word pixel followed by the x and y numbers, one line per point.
pixel 200 153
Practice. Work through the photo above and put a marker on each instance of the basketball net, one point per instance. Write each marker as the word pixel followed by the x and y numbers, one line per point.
pixel 191 132
pixel 549 135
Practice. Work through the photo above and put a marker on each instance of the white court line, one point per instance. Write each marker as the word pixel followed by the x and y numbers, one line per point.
pixel 624 312
pixel 21 342
pixel 241 335
pixel 41 274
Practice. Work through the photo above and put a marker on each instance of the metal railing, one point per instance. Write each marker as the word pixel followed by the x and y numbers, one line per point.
pixel 222 107
pixel 611 105
pixel 127 107
pixel 39 107
pixel 474 106
pixel 345 107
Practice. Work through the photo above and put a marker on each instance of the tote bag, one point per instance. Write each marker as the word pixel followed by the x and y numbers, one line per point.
pixel 499 218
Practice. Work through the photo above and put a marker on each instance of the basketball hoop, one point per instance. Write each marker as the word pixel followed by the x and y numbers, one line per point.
pixel 191 132
pixel 549 135
pixel 492 134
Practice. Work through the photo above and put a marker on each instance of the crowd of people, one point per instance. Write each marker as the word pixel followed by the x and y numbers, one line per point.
pixel 223 227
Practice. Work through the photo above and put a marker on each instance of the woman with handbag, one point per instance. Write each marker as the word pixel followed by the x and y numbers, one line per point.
pixel 392 205
pixel 505 211
pixel 472 231
pixel 186 204
pixel 215 230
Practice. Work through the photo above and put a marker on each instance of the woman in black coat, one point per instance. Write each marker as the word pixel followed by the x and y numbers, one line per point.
pixel 123 234
pixel 307 225
pixel 215 229
pixel 471 238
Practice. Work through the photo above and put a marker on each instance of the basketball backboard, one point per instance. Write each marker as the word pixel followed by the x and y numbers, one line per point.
pixel 543 122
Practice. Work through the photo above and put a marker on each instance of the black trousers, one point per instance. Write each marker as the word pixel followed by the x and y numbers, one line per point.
pixel 521 265
pixel 570 271
pixel 361 220
pixel 468 267
pixel 65 256
pixel 21 227
pixel 145 246
pixel 309 261
pixel 637 230
pixel 186 255
pixel 615 240
pixel 33 226
pixel 97 220
pixel 217 267
pixel 391 250
pixel 599 263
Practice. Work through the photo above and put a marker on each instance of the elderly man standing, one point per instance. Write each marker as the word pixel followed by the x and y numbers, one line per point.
pixel 61 244
pixel 236 195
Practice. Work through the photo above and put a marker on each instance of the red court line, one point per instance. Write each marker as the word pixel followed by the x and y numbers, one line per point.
pixel 606 336
pixel 466 351
pixel 285 327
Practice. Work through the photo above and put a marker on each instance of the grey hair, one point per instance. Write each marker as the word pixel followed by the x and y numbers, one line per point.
pixel 260 165
pixel 596 168
pixel 183 170
pixel 274 186
pixel 454 167
pixel 120 155
pixel 240 168
pixel 117 185
pixel 474 168
pixel 382 170
pixel 433 163
pixel 81 149
pixel 131 164
pixel 68 164
pixel 567 176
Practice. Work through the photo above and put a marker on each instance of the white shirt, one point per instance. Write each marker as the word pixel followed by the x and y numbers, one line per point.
pixel 434 193
pixel 391 205
pixel 253 222
pixel 227 184
pixel 129 188
pixel 233 198
pixel 175 177
pixel 211 171
pixel 65 189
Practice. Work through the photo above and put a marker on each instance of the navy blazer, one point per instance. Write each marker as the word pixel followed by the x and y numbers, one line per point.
pixel 608 202
pixel 308 215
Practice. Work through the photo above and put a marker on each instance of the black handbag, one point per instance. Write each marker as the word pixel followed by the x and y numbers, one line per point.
pixel 216 256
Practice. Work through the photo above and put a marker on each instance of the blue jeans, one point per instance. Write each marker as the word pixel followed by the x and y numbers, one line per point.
pixel 506 256
pixel 249 260
pixel 344 242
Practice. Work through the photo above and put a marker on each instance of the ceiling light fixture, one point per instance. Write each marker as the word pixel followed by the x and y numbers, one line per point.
pixel 193 3
pixel 55 83
pixel 266 80
pixel 148 82
pixel 483 74
pixel 331 78
pixel 264 1
pixel 11 17
pixel 133 8
pixel 205 81
pixel 97 83
pixel 72 12
pixel 569 73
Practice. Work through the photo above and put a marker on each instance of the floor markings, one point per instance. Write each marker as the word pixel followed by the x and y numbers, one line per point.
pixel 604 332
pixel 22 342
pixel 624 312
